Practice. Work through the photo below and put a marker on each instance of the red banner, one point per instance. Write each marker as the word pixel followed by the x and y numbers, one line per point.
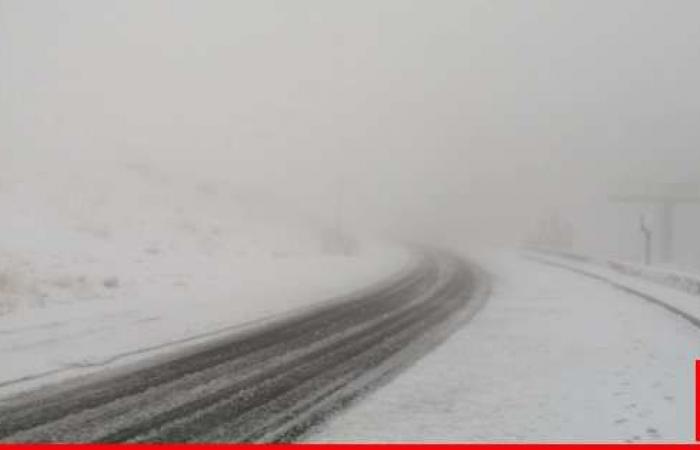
pixel 697 400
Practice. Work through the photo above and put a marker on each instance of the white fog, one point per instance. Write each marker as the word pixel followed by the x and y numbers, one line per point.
pixel 174 170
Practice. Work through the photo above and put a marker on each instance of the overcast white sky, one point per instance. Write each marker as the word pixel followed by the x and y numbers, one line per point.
pixel 517 106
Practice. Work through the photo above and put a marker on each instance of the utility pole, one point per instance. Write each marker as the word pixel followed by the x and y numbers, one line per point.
pixel 339 204
pixel 646 231
pixel 665 197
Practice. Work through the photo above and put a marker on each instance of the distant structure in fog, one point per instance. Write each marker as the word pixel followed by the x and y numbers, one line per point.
pixel 553 232
pixel 665 197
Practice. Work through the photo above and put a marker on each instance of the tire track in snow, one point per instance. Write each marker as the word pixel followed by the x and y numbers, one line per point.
pixel 268 384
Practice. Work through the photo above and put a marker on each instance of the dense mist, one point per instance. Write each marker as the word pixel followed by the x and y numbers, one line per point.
pixel 462 119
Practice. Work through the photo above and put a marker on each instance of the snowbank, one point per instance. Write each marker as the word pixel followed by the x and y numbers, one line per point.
pixel 683 281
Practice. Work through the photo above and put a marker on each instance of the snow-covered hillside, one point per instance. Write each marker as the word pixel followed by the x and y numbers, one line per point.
pixel 109 231
pixel 108 262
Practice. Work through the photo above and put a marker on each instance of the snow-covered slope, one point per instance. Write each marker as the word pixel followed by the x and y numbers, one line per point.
pixel 109 230
pixel 118 259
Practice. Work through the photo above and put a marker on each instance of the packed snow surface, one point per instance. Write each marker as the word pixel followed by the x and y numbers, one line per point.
pixel 554 356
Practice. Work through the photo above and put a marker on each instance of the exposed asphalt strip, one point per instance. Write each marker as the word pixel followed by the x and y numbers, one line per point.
pixel 271 384
pixel 695 321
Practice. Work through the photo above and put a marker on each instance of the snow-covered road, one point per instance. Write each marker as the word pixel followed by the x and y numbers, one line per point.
pixel 554 356
pixel 268 384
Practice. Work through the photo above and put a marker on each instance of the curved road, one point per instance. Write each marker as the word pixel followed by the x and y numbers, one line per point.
pixel 270 384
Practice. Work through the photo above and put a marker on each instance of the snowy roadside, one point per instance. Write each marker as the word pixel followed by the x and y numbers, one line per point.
pixel 554 356
pixel 666 293
pixel 666 276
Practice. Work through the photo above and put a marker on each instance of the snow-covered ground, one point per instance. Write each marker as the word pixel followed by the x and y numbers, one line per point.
pixel 664 290
pixel 103 265
pixel 663 274
pixel 40 345
pixel 554 356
